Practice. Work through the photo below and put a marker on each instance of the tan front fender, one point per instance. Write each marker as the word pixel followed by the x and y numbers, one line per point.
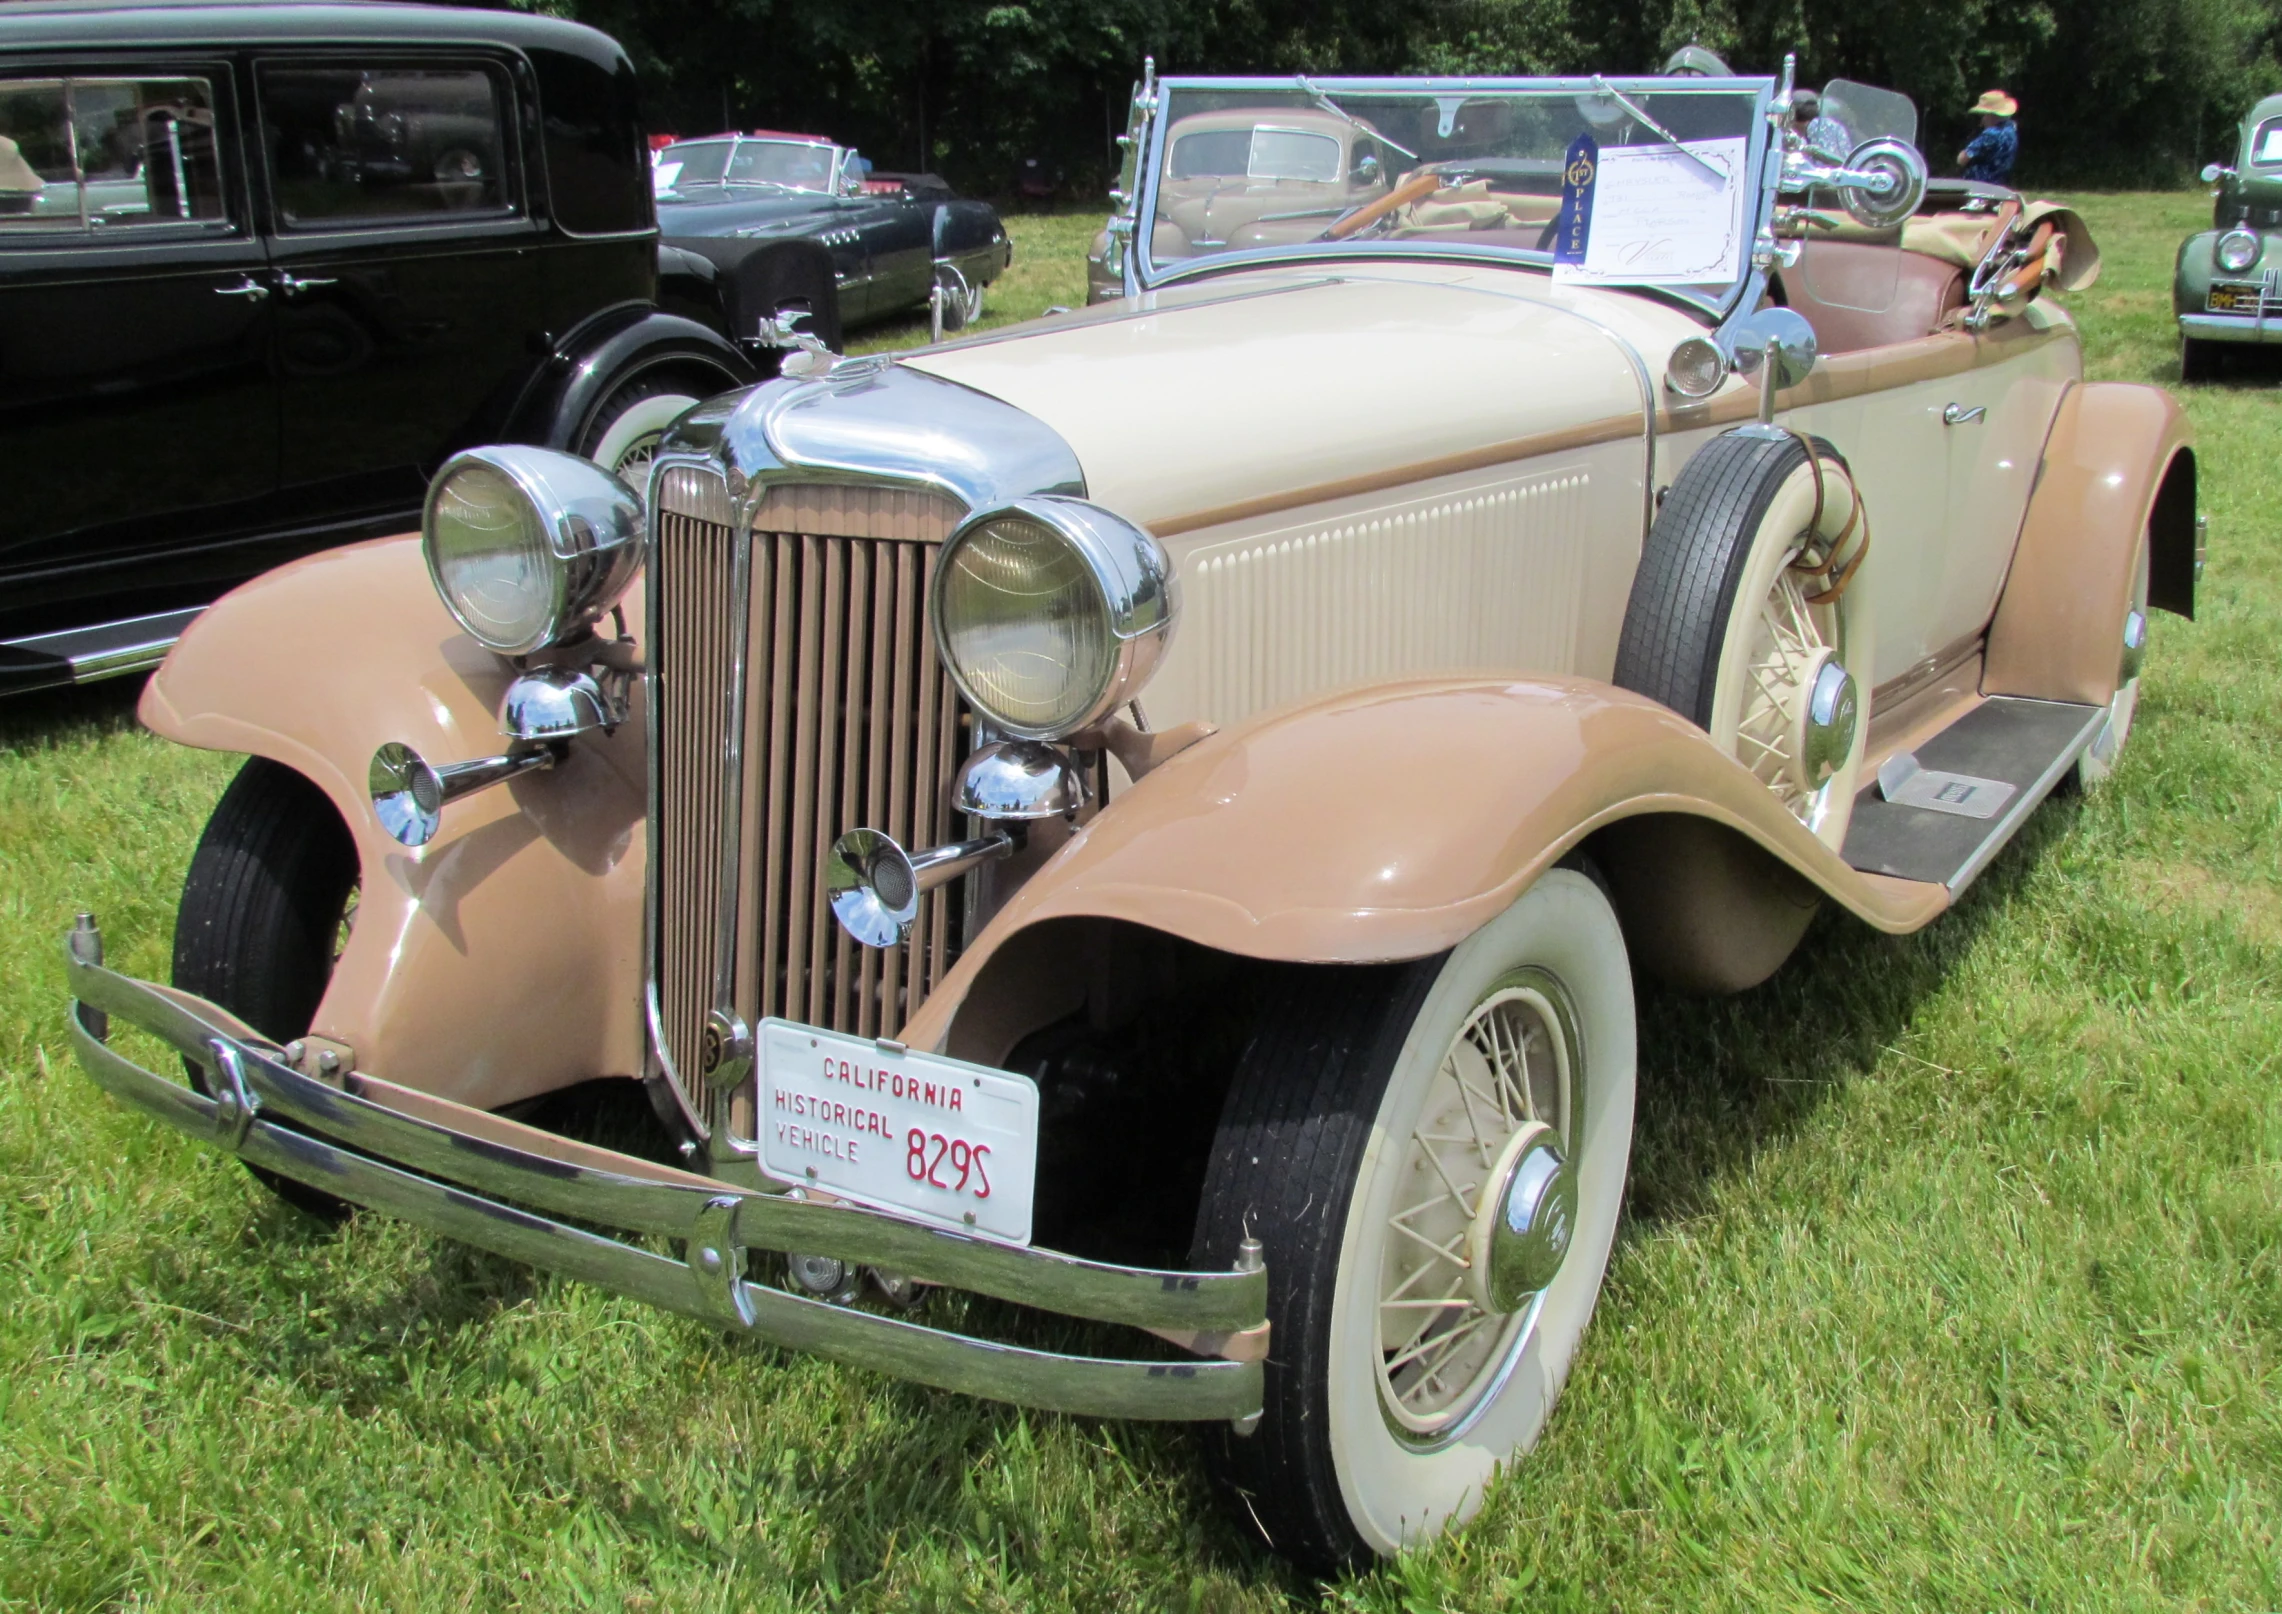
pixel 500 960
pixel 1393 822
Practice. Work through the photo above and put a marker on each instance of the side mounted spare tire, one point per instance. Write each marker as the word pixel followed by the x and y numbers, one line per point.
pixel 1750 616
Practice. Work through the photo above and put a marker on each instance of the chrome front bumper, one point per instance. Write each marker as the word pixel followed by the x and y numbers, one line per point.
pixel 458 1181
pixel 2231 327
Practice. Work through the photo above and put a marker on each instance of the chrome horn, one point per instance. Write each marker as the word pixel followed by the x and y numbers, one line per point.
pixel 874 885
pixel 410 793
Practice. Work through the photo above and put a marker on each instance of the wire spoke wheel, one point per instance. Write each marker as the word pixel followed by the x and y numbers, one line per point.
pixel 1787 645
pixel 1441 1350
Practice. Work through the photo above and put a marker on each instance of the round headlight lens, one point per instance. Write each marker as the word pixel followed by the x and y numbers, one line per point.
pixel 1049 613
pixel 1025 628
pixel 2238 250
pixel 490 558
pixel 528 546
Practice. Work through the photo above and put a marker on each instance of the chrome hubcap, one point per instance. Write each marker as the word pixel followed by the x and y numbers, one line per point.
pixel 1522 1230
pixel 2135 646
pixel 1826 720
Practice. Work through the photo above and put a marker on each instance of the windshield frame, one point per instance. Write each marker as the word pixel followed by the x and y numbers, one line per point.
pixel 1760 176
pixel 2250 157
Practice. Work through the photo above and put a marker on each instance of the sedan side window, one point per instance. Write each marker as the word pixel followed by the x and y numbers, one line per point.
pixel 391 145
pixel 79 155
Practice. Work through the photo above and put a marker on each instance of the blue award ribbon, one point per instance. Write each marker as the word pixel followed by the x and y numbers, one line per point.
pixel 1573 227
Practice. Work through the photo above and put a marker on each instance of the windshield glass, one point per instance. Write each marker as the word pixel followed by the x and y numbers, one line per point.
pixel 691 162
pixel 795 163
pixel 2266 144
pixel 1284 167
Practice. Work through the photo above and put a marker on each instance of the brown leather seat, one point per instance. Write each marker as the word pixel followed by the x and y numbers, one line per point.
pixel 1910 293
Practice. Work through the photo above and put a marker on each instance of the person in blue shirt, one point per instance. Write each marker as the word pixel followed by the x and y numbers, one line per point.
pixel 1990 156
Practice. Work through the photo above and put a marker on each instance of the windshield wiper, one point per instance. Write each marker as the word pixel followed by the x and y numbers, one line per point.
pixel 1344 116
pixel 1641 117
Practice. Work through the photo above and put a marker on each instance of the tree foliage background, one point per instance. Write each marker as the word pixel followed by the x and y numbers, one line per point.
pixel 2123 92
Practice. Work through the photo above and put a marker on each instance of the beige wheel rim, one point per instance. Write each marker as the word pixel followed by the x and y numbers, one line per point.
pixel 1777 645
pixel 1442 1356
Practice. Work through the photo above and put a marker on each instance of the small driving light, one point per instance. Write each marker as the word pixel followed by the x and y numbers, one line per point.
pixel 1050 613
pixel 528 546
pixel 1696 368
pixel 2238 250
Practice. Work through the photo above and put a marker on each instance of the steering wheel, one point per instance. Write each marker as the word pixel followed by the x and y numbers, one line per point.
pixel 1356 220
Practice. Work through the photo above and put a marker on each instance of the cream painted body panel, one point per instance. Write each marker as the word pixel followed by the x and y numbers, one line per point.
pixel 1518 568
pixel 1945 502
pixel 1228 394
pixel 1209 400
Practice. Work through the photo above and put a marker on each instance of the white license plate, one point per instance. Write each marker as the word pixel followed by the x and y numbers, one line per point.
pixel 931 1138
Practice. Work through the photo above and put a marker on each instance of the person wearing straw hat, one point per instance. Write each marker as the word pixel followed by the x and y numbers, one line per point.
pixel 19 186
pixel 1990 155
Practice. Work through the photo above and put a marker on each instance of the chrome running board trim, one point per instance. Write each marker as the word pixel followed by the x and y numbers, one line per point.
pixel 84 655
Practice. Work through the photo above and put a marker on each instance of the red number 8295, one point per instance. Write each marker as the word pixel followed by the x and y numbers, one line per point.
pixel 926 1154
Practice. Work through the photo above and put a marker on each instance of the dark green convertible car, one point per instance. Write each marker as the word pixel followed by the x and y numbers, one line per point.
pixel 2224 289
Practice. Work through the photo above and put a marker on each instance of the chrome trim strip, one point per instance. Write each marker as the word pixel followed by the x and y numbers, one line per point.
pixel 719 1226
pixel 2025 802
pixel 733 782
pixel 108 649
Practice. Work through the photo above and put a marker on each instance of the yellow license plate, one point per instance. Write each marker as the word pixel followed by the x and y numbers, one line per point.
pixel 2232 299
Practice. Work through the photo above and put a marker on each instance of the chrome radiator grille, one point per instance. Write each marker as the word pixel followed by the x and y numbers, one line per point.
pixel 847 721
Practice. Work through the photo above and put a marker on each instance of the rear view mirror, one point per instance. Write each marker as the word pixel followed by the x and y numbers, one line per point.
pixel 2214 172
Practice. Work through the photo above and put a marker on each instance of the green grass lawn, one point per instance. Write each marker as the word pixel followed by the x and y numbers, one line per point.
pixel 1952 1276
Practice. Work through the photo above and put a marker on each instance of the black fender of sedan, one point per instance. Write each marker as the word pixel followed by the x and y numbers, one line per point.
pixel 607 352
pixel 742 282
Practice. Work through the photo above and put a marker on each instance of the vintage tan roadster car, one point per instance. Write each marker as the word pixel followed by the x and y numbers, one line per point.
pixel 1156 815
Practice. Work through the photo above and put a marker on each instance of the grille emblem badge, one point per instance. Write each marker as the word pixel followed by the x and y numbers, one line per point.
pixel 726 1054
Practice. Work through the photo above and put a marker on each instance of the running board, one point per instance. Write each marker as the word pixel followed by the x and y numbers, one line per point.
pixel 1941 813
pixel 82 655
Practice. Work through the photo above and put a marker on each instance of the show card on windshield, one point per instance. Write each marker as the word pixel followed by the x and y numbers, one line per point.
pixel 1662 217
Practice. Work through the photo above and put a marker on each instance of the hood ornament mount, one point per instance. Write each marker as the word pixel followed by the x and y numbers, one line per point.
pixel 807 358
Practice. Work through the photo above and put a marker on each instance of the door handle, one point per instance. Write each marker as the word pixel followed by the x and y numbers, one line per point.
pixel 291 283
pixel 247 286
pixel 1963 414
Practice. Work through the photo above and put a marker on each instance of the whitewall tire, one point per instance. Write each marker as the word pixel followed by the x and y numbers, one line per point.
pixel 1372 1116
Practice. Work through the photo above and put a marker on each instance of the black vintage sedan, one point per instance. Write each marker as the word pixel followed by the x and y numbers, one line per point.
pixel 264 266
pixel 764 228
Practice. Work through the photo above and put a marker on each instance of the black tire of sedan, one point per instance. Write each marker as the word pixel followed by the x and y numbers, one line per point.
pixel 1384 1125
pixel 1749 617
pixel 268 900
pixel 2198 361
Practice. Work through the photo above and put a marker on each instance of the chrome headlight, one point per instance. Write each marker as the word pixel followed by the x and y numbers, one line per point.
pixel 1049 613
pixel 528 546
pixel 2238 250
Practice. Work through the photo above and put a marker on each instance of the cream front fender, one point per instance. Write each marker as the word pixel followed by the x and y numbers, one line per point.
pixel 502 959
pixel 1393 822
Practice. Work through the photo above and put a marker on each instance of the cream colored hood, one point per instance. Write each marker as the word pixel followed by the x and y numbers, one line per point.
pixel 1185 403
